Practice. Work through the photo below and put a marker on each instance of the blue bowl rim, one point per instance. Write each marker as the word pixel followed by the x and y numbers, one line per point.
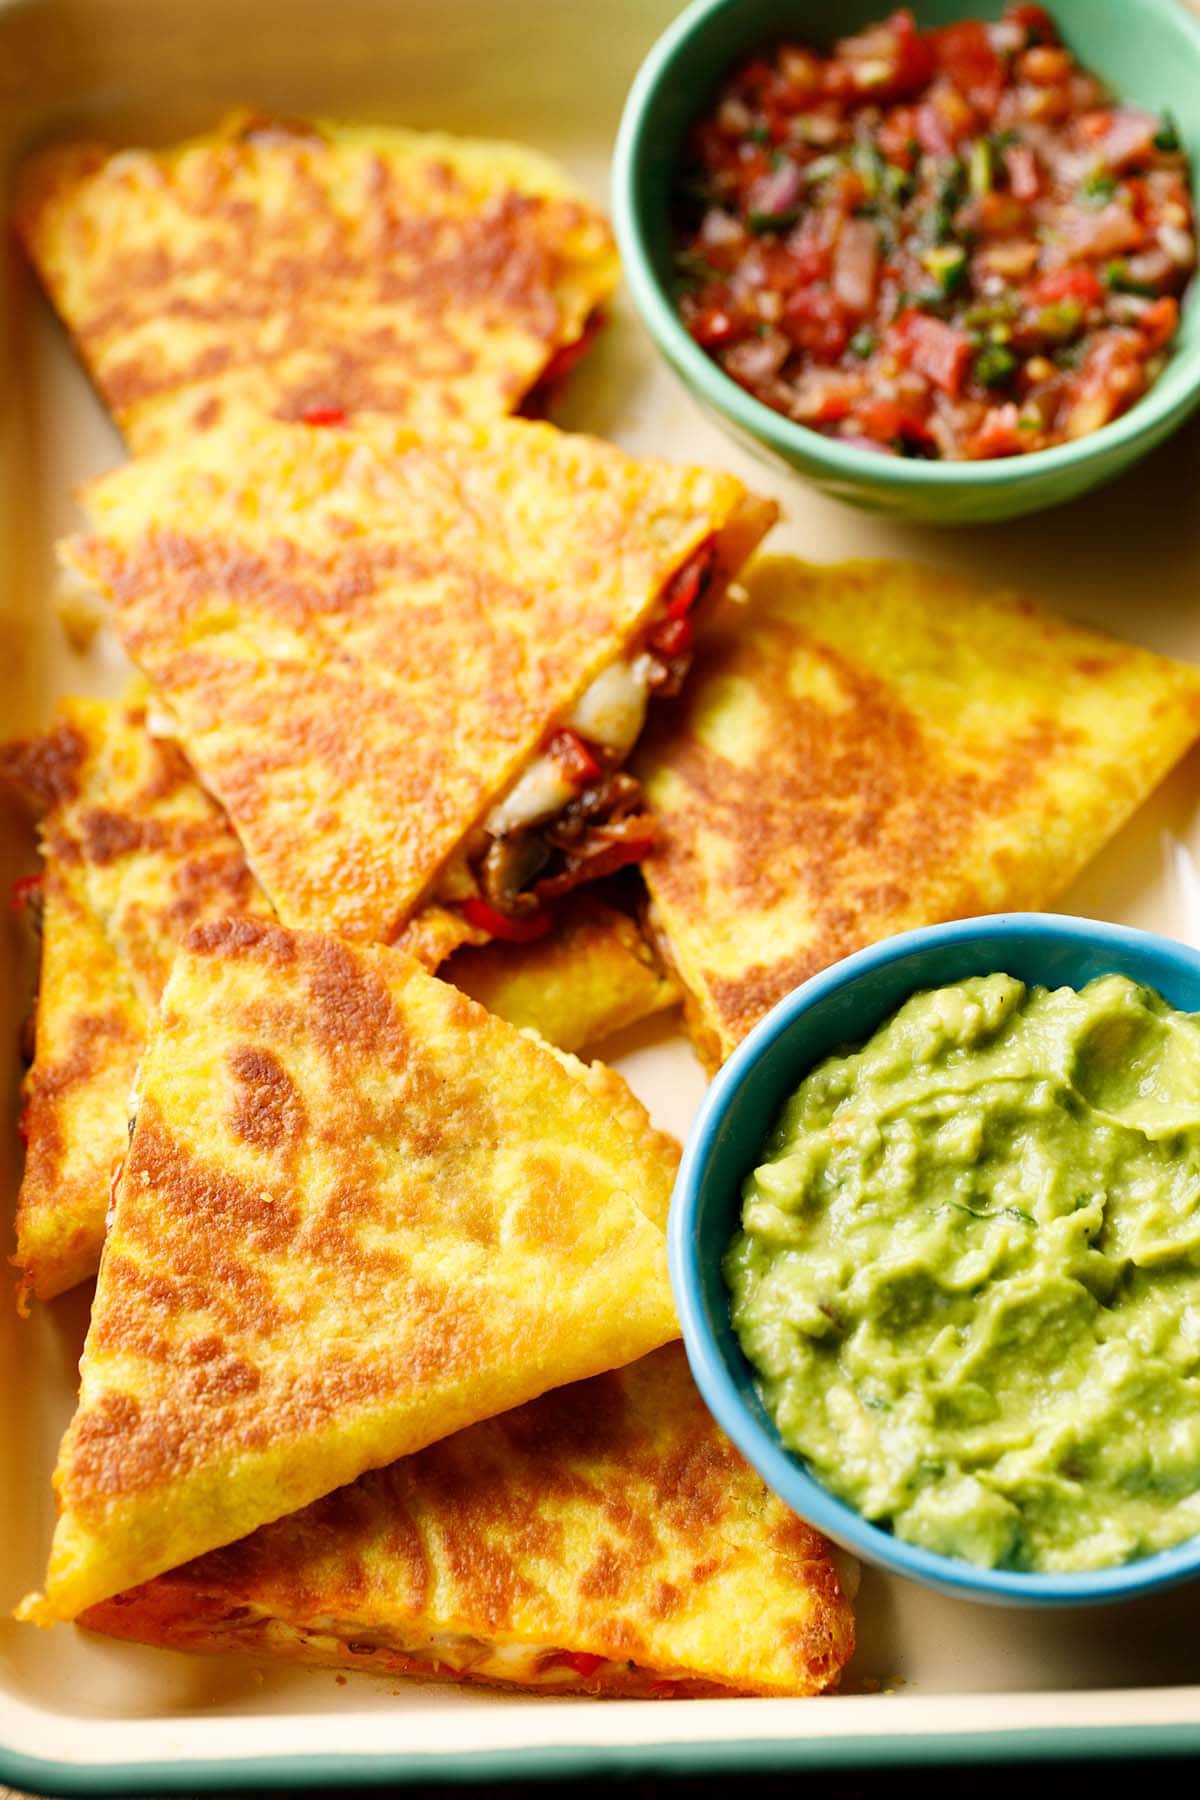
pixel 1158 412
pixel 782 1471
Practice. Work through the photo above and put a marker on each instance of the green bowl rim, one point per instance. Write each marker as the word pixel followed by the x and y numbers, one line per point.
pixel 1165 405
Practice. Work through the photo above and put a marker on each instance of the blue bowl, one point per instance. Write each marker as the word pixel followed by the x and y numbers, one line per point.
pixel 844 1005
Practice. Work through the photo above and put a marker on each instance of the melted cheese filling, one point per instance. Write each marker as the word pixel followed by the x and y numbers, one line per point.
pixel 455 1652
pixel 609 713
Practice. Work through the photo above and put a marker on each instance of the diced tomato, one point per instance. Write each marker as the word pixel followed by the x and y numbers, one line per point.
pixel 999 434
pixel 815 321
pixel 672 638
pixel 964 51
pixel 834 402
pixel 573 756
pixel 914 58
pixel 324 415
pixel 1095 125
pixel 715 325
pixel 886 422
pixel 934 349
pixel 24 890
pixel 683 589
pixel 809 252
pixel 524 928
pixel 883 62
pixel 583 1662
pixel 1157 324
pixel 897 134
pixel 1079 283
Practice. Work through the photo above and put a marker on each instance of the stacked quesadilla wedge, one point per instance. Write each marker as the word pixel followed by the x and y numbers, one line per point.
pixel 410 669
pixel 605 1539
pixel 358 1213
pixel 291 269
pixel 874 746
pixel 135 853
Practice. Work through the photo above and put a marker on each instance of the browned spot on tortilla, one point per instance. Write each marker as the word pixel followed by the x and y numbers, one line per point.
pixel 268 1110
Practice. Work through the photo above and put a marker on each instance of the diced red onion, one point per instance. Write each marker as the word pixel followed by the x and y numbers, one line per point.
pixel 1129 137
pixel 719 227
pixel 778 192
pixel 856 265
pixel 758 358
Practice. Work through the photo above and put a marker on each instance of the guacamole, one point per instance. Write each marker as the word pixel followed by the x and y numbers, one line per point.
pixel 968 1273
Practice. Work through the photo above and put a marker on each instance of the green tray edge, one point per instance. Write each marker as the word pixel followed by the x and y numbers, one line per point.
pixel 736 1755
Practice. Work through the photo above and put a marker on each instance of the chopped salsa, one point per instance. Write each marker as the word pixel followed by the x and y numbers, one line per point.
pixel 947 244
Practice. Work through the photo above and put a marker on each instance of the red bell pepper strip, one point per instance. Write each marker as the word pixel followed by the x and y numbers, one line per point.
pixel 673 637
pixel 24 890
pixel 324 415
pixel 523 928
pixel 581 1661
pixel 684 587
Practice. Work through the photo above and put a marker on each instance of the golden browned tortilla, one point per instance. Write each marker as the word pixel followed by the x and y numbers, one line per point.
pixel 604 1539
pixel 135 853
pixel 358 1213
pixel 284 268
pixel 364 639
pixel 873 746
pixel 594 976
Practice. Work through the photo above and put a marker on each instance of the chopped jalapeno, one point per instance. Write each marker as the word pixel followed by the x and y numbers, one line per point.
pixel 995 366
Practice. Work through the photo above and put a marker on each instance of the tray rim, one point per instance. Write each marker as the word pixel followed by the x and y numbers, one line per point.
pixel 844 1748
pixel 544 1762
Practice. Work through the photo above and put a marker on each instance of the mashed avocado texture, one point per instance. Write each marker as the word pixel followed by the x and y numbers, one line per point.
pixel 968 1274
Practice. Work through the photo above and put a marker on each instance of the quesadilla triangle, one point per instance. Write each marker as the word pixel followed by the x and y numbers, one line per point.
pixel 358 1213
pixel 289 269
pixel 135 853
pixel 595 975
pixel 606 1539
pixel 874 746
pixel 410 669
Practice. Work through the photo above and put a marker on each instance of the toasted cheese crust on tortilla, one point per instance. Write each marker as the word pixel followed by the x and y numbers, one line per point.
pixel 604 1539
pixel 594 976
pixel 874 746
pixel 364 638
pixel 278 268
pixel 358 1213
pixel 135 854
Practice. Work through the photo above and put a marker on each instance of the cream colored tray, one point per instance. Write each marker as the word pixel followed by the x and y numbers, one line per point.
pixel 932 1679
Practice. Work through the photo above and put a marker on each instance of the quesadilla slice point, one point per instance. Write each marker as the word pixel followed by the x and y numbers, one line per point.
pixel 411 669
pixel 595 975
pixel 135 853
pixel 874 746
pixel 604 1539
pixel 358 1213
pixel 289 269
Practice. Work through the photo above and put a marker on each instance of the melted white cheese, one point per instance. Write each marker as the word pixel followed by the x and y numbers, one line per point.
pixel 610 713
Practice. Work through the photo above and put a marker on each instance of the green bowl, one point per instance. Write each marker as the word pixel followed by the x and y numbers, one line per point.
pixel 1149 52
